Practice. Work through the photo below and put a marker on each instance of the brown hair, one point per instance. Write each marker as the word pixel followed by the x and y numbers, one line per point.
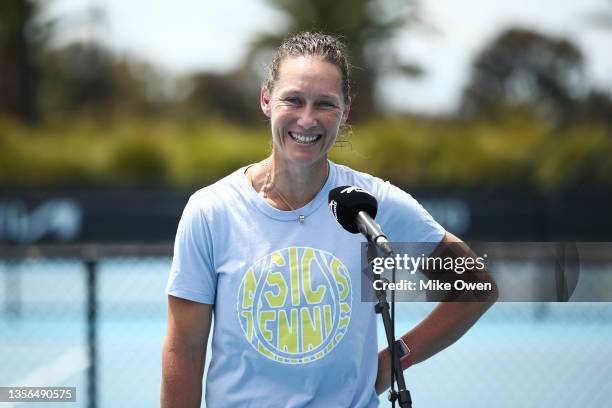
pixel 312 44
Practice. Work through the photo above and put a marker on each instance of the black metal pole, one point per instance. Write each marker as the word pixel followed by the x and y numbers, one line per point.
pixel 91 265
pixel 397 374
pixel 403 395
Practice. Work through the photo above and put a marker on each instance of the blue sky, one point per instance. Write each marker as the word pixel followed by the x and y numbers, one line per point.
pixel 181 36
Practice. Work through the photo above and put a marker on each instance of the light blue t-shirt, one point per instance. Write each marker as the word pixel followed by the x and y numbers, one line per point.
pixel 290 327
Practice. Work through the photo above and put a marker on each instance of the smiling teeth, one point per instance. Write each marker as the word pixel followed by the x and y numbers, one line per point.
pixel 300 138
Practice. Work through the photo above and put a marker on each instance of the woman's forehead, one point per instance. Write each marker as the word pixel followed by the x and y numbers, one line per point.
pixel 311 72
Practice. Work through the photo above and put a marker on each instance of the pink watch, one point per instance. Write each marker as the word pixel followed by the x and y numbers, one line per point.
pixel 404 353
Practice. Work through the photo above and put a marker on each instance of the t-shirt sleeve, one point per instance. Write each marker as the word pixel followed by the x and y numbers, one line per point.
pixel 192 275
pixel 405 220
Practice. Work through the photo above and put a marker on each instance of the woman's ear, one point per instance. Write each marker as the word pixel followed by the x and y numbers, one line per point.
pixel 264 100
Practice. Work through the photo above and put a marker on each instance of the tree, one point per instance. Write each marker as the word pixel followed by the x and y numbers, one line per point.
pixel 364 25
pixel 231 96
pixel 77 77
pixel 524 68
pixel 20 37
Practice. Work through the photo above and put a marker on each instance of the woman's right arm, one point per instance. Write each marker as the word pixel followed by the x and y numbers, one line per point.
pixel 184 353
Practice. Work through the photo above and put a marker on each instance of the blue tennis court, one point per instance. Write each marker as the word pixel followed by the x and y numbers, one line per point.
pixel 519 354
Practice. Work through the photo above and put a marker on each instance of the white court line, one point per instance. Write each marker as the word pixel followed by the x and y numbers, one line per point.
pixel 56 372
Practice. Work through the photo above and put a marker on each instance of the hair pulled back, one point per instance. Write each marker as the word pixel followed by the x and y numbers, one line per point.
pixel 306 43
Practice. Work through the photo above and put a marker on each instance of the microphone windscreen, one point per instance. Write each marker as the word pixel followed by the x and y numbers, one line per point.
pixel 345 202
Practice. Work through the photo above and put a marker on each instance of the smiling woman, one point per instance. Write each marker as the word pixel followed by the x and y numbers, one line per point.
pixel 306 96
pixel 284 278
pixel 306 109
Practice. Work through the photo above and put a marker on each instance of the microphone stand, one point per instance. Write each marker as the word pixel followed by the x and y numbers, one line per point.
pixel 382 308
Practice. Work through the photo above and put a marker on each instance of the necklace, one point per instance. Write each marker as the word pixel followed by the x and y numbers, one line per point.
pixel 269 186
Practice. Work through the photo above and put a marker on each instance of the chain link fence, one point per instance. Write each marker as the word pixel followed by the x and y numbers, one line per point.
pixel 93 317
pixel 86 316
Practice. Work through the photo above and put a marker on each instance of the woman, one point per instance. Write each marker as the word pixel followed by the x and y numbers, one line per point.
pixel 261 248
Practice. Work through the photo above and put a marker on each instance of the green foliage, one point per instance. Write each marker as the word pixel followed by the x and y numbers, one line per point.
pixel 518 150
pixel 450 153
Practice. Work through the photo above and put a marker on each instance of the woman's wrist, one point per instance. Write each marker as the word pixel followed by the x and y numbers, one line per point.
pixel 404 353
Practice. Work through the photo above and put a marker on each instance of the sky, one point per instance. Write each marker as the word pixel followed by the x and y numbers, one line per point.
pixel 183 36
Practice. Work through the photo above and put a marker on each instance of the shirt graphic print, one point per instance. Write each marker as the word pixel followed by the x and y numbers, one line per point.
pixel 294 304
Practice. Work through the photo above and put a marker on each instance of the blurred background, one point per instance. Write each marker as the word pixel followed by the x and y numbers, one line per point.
pixel 497 116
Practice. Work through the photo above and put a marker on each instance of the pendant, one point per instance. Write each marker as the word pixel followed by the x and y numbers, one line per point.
pixel 301 219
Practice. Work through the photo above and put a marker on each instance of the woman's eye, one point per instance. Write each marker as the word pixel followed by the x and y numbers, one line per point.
pixel 327 105
pixel 292 100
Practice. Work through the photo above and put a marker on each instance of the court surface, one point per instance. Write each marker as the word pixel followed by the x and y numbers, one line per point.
pixel 528 355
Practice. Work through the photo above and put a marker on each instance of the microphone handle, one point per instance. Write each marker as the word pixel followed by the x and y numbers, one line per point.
pixel 368 227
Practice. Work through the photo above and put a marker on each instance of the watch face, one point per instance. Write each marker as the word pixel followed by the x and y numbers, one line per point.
pixel 403 349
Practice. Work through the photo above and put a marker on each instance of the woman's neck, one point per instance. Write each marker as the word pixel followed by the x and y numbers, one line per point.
pixel 288 186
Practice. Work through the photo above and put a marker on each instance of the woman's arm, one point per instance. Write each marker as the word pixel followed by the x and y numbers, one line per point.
pixel 184 353
pixel 443 326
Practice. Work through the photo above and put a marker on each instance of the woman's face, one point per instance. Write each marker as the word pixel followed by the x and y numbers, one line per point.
pixel 306 108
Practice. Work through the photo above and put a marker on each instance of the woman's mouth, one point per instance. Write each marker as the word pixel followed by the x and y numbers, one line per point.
pixel 304 139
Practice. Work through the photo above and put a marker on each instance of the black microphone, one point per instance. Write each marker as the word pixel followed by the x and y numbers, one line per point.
pixel 355 209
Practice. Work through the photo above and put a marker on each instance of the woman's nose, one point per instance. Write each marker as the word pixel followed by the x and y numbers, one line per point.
pixel 307 119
